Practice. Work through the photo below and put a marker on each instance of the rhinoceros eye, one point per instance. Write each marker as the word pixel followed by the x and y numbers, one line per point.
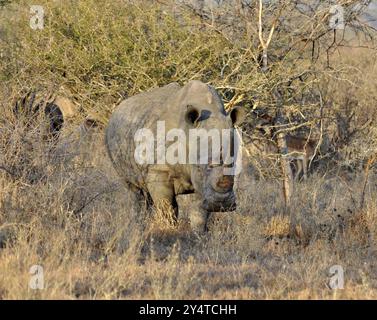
pixel 204 115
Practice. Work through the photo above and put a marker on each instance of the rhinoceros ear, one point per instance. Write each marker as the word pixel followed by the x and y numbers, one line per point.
pixel 192 115
pixel 237 115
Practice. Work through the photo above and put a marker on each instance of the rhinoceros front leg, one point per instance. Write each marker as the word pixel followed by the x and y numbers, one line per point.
pixel 198 216
pixel 161 191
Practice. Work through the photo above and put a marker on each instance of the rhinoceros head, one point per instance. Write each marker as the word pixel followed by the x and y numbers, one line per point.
pixel 203 115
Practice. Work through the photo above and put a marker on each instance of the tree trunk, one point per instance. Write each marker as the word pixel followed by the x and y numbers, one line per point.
pixel 284 160
pixel 264 60
pixel 286 169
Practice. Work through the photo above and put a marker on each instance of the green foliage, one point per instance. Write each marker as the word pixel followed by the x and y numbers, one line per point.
pixel 101 52
pixel 4 2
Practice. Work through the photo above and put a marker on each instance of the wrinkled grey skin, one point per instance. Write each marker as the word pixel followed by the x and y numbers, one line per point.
pixel 195 105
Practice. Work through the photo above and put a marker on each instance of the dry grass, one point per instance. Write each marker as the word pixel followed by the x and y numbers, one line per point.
pixel 63 207
pixel 95 242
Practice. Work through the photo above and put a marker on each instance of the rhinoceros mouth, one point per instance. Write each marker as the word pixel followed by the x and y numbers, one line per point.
pixel 219 202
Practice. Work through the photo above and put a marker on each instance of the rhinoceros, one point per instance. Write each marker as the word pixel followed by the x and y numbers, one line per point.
pixel 195 105
pixel 58 110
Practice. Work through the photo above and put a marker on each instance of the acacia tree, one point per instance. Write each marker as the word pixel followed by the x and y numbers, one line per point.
pixel 295 45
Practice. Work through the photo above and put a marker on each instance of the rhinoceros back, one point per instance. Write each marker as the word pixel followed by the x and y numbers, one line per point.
pixel 140 111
